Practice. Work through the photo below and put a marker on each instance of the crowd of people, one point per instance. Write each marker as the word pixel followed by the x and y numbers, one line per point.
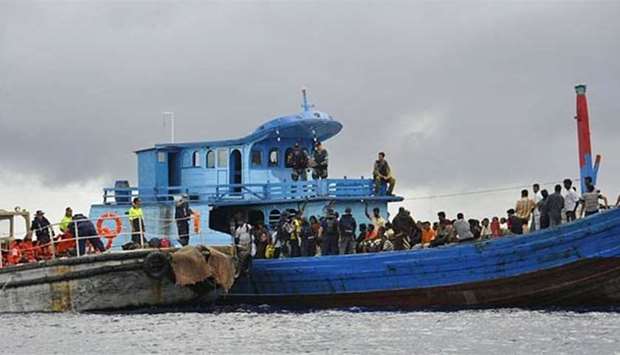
pixel 294 235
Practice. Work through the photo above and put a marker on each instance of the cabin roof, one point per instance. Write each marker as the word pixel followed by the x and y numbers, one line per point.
pixel 307 124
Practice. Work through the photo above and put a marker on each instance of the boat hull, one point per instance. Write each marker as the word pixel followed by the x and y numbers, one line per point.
pixel 106 282
pixel 574 265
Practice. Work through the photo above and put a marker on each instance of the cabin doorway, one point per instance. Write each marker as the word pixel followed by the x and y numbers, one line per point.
pixel 174 176
pixel 234 171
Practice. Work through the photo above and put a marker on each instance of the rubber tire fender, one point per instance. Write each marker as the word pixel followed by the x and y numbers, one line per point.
pixel 157 265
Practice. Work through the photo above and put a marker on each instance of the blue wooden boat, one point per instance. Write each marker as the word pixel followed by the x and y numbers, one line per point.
pixel 575 264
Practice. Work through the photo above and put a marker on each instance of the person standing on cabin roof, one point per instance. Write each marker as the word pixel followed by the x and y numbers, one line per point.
pixel 348 227
pixel 524 208
pixel 136 220
pixel 66 219
pixel 42 228
pixel 535 225
pixel 319 163
pixel 589 201
pixel 376 218
pixel 555 204
pixel 182 215
pixel 571 200
pixel 298 161
pixel 382 173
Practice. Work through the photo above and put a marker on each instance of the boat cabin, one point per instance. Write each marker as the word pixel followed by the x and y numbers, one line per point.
pixel 249 175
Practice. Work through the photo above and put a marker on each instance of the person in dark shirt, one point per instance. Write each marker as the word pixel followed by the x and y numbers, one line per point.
pixel 42 228
pixel 182 215
pixel 347 227
pixel 320 160
pixel 298 161
pixel 382 173
pixel 515 223
pixel 85 232
pixel 554 206
pixel 330 234
pixel 544 211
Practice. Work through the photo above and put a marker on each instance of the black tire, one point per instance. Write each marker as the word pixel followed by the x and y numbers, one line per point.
pixel 157 265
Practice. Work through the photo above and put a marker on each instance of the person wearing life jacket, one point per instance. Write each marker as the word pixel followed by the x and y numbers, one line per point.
pixel 85 232
pixel 182 215
pixel 347 227
pixel 136 220
pixel 295 240
pixel 298 161
pixel 320 162
pixel 14 255
pixel 66 219
pixel 329 233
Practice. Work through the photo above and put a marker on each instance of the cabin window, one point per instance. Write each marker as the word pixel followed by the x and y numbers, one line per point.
pixel 210 159
pixel 222 158
pixel 257 157
pixel 161 157
pixel 273 157
pixel 196 158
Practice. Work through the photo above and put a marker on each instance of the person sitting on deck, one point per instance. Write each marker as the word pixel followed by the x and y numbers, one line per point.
pixel 382 174
pixel 136 220
pixel 524 208
pixel 360 238
pixel 515 223
pixel 589 201
pixel 462 228
pixel 444 230
pixel 554 206
pixel 28 249
pixel 387 237
pixel 376 218
pixel 66 219
pixel 298 161
pixel 475 228
pixel 428 234
pixel 85 232
pixel 42 228
pixel 319 162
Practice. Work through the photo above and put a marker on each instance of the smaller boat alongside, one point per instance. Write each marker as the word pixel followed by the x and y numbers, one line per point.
pixel 114 280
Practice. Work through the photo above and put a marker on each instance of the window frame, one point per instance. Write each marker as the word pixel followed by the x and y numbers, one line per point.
pixel 258 151
pixel 225 158
pixel 195 155
pixel 207 165
pixel 277 162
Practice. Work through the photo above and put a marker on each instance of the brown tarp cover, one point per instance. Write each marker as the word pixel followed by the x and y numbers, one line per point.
pixel 190 267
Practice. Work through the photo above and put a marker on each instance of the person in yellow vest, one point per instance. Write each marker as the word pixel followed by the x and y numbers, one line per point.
pixel 136 219
pixel 68 218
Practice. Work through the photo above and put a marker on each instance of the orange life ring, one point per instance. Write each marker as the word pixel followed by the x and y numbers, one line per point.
pixel 107 232
pixel 196 216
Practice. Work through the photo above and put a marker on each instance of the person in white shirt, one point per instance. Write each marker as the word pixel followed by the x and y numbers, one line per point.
pixel 536 214
pixel 571 200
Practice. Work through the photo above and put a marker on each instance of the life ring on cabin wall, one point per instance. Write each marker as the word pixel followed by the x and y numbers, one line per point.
pixel 107 232
pixel 196 217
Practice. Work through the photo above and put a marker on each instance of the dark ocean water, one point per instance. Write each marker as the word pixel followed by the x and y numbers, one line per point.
pixel 352 331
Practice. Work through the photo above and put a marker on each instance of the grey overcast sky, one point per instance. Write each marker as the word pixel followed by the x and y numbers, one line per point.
pixel 462 95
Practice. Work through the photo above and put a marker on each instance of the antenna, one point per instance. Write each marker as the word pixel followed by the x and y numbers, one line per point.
pixel 305 105
pixel 170 116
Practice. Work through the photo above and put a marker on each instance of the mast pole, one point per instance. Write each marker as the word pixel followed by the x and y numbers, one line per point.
pixel 586 167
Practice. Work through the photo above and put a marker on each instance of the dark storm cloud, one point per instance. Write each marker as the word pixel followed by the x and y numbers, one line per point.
pixel 458 94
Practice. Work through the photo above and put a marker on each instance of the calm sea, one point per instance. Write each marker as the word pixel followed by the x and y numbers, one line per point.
pixel 352 331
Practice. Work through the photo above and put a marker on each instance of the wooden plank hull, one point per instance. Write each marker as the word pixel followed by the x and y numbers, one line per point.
pixel 105 282
pixel 574 265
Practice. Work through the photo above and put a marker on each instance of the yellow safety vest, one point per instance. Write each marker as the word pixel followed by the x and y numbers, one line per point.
pixel 135 213
pixel 64 223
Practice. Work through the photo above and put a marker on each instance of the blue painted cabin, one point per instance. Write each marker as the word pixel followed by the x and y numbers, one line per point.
pixel 247 175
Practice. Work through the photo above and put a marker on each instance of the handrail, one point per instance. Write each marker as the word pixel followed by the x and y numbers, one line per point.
pixel 252 191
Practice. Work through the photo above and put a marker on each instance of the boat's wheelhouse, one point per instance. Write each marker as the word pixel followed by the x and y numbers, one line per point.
pixel 249 175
